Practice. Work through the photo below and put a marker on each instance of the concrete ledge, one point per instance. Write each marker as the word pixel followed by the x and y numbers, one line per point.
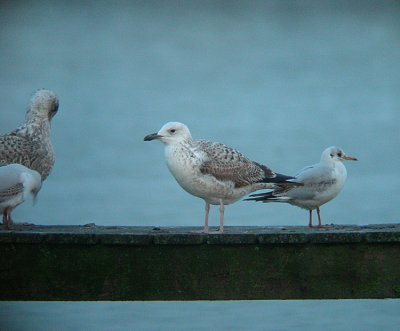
pixel 134 235
pixel 146 263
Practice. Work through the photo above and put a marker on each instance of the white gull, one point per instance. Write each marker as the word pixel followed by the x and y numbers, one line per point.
pixel 321 183
pixel 16 183
pixel 212 171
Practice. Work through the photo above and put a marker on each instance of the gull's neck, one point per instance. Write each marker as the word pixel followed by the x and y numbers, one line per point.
pixel 38 130
pixel 181 142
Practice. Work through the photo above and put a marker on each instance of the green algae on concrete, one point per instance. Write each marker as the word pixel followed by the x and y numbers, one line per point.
pixel 132 263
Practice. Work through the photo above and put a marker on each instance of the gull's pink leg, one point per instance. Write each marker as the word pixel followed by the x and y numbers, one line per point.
pixel 319 218
pixel 310 222
pixel 221 216
pixel 6 219
pixel 10 221
pixel 206 219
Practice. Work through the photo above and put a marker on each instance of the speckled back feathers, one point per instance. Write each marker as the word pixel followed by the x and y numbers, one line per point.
pixel 226 163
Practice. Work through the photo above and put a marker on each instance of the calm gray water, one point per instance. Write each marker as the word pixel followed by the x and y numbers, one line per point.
pixel 186 316
pixel 278 80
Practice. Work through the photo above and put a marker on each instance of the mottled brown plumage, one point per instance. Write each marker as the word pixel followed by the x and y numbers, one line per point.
pixel 214 172
pixel 30 144
pixel 226 163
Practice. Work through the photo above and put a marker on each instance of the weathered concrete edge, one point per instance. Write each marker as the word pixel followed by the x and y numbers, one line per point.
pixel 143 236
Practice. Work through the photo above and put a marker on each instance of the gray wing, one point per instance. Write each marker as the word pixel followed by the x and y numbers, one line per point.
pixel 11 191
pixel 227 164
pixel 10 183
pixel 15 149
pixel 315 178
pixel 316 175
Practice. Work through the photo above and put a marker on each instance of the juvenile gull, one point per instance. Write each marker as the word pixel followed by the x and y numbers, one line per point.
pixel 30 144
pixel 212 171
pixel 321 183
pixel 16 183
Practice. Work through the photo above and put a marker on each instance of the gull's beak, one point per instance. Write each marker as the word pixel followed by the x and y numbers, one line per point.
pixel 349 158
pixel 53 110
pixel 152 137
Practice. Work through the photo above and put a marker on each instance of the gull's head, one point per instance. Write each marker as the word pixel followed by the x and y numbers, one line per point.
pixel 335 154
pixel 43 105
pixel 171 133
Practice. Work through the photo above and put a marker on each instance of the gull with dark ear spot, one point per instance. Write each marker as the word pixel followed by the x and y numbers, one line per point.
pixel 321 183
pixel 212 171
pixel 30 144
pixel 16 183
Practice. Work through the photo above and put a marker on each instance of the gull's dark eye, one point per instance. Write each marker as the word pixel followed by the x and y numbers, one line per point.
pixel 331 155
pixel 172 131
pixel 339 154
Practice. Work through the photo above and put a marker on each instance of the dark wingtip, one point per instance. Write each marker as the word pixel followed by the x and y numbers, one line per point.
pixel 272 177
pixel 263 197
pixel 282 179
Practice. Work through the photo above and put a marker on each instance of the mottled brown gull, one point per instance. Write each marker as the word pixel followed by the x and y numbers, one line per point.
pixel 30 144
pixel 16 183
pixel 212 171
pixel 322 182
